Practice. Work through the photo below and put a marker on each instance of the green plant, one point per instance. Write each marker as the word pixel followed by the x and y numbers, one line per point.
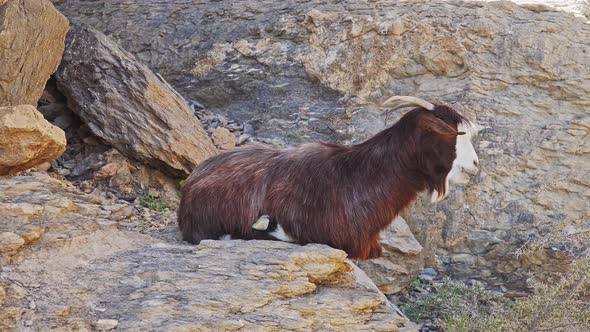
pixel 153 202
pixel 415 283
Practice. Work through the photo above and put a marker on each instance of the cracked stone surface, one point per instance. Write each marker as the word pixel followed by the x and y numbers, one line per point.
pixel 316 70
pixel 65 264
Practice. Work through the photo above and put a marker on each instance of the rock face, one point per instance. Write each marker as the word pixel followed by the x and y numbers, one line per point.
pixel 32 34
pixel 315 70
pixel 26 139
pixel 133 282
pixel 128 106
pixel 401 261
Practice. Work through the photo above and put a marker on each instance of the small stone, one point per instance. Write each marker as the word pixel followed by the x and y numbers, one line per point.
pixel 475 283
pixel 31 233
pixel 106 171
pixel 120 180
pixel 248 129
pixel 62 311
pixel 234 127
pixel 90 163
pixel 425 278
pixel 136 295
pixel 10 242
pixel 223 139
pixel 106 324
pixel 64 121
pixel 90 140
pixel 42 168
pixel 123 213
pixel 63 171
pixel 429 271
pixel 211 128
pixel 86 186
pixel 222 120
pixel 209 118
pixel 242 139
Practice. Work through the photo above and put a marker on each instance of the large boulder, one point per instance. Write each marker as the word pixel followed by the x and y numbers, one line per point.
pixel 66 264
pixel 308 70
pixel 27 139
pixel 32 34
pixel 128 106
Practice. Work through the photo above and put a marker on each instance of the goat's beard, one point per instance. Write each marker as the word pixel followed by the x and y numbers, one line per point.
pixel 439 195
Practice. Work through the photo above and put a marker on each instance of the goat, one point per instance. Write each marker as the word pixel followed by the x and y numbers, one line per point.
pixel 342 196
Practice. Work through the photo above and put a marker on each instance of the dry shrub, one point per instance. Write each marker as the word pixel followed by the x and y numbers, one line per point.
pixel 556 303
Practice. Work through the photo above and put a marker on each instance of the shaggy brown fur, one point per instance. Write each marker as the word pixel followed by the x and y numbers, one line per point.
pixel 342 196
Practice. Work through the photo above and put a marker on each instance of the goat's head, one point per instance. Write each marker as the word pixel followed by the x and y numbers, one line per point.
pixel 443 143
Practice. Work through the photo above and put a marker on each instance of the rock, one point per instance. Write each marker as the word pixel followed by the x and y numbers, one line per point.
pixel 311 70
pixel 128 106
pixel 31 233
pixel 429 272
pixel 52 103
pixel 425 278
pixel 64 121
pixel 108 170
pixel 475 284
pixel 29 52
pixel 242 139
pixel 399 237
pixel 105 324
pixel 223 139
pixel 400 263
pixel 42 167
pixel 132 281
pixel 26 139
pixel 10 242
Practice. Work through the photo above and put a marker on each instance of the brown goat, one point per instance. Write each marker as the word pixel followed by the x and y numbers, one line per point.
pixel 342 196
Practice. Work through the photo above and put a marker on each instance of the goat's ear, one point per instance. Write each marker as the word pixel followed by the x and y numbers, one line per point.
pixel 431 123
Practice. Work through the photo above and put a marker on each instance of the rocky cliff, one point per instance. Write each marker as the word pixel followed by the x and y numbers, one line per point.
pixel 315 70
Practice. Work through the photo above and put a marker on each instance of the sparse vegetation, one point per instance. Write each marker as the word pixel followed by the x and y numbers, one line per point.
pixel 415 283
pixel 153 202
pixel 558 303
pixel 559 306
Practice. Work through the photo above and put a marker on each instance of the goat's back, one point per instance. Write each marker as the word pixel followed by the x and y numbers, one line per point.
pixel 297 187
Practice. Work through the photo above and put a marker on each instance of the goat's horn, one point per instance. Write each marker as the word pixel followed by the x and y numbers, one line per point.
pixel 395 108
pixel 411 100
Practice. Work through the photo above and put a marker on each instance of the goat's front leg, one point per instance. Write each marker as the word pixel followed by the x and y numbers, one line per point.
pixel 375 250
pixel 372 250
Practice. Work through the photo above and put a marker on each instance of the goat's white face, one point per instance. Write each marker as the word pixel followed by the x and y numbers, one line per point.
pixel 466 161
